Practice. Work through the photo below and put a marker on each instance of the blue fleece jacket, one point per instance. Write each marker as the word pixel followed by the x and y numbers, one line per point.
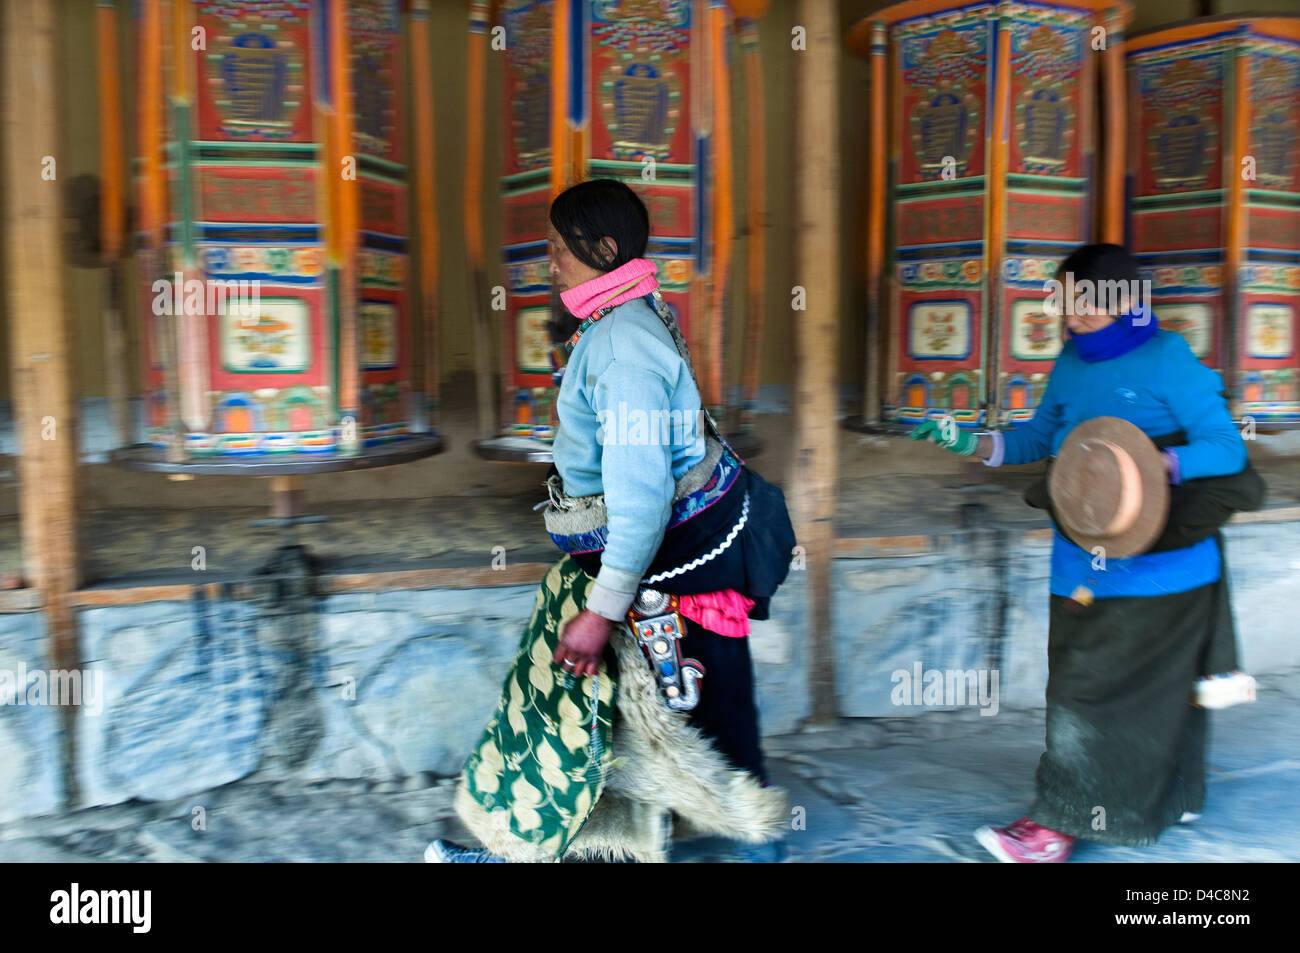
pixel 629 427
pixel 1161 388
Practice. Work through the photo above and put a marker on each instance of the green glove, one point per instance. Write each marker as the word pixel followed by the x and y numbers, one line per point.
pixel 945 433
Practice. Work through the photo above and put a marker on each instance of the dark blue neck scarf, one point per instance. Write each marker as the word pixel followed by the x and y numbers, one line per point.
pixel 1121 336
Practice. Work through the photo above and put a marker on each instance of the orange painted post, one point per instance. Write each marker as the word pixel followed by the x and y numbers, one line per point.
pixel 995 214
pixel 1111 227
pixel 344 174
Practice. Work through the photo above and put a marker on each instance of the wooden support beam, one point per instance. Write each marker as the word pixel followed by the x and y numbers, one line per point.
pixel 817 174
pixel 40 335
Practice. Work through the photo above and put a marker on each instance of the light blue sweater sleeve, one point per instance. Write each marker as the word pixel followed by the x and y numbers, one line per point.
pixel 637 475
pixel 1194 394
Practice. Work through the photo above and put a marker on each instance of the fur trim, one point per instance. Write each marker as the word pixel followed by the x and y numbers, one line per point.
pixel 492 828
pixel 663 766
pixel 663 760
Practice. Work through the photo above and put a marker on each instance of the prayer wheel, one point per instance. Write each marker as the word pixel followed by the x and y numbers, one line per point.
pixel 273 185
pixel 635 90
pixel 982 178
pixel 1214 214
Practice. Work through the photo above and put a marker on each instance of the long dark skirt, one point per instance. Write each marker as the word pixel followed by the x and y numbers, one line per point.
pixel 1125 750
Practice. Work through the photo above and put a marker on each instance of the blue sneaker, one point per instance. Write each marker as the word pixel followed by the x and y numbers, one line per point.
pixel 445 852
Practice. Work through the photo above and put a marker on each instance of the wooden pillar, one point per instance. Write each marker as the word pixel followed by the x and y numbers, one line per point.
pixel 40 346
pixel 817 174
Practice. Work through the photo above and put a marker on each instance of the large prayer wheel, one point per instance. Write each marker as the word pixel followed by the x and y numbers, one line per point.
pixel 273 168
pixel 1215 207
pixel 635 90
pixel 982 177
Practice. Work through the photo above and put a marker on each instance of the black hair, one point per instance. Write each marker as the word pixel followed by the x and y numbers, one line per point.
pixel 588 211
pixel 1098 263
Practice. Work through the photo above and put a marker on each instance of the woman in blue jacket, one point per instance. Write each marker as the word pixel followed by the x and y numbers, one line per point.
pixel 648 502
pixel 1128 638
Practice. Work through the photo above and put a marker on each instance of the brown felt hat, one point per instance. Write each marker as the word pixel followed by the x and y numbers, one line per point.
pixel 1109 488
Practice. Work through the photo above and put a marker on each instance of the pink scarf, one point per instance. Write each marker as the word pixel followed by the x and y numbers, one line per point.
pixel 635 279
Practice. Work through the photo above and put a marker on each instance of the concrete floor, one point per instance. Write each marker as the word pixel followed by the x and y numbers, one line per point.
pixel 889 790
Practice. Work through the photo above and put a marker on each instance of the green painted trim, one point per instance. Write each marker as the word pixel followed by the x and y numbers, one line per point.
pixel 1207 197
pixel 632 164
pixel 259 146
pixel 372 176
pixel 962 193
pixel 543 176
pixel 368 160
pixel 972 184
pixel 1288 201
pixel 1021 190
pixel 256 163
pixel 1051 183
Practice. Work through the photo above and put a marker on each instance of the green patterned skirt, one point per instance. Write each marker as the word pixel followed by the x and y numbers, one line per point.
pixel 546 752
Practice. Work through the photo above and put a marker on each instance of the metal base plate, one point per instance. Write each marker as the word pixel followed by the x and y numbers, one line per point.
pixel 154 460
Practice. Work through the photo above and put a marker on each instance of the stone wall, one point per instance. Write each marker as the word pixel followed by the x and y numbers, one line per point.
pixel 394 684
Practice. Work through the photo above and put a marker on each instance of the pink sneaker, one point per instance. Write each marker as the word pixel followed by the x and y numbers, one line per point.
pixel 1025 842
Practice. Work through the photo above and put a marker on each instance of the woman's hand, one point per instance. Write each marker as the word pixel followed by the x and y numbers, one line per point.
pixel 945 433
pixel 582 643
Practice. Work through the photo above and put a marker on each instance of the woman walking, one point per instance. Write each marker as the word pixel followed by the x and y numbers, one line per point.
pixel 1128 637
pixel 632 694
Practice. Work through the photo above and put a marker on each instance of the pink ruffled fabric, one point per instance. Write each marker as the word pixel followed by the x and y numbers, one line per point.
pixel 636 279
pixel 725 612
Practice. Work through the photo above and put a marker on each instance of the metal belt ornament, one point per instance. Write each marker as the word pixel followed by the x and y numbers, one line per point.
pixel 658 628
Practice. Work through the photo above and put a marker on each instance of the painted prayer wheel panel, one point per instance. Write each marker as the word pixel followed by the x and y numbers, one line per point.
pixel 980 222
pixel 250 206
pixel 628 104
pixel 1215 208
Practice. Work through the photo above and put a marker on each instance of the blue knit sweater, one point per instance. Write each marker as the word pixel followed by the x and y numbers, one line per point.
pixel 1161 388
pixel 629 417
